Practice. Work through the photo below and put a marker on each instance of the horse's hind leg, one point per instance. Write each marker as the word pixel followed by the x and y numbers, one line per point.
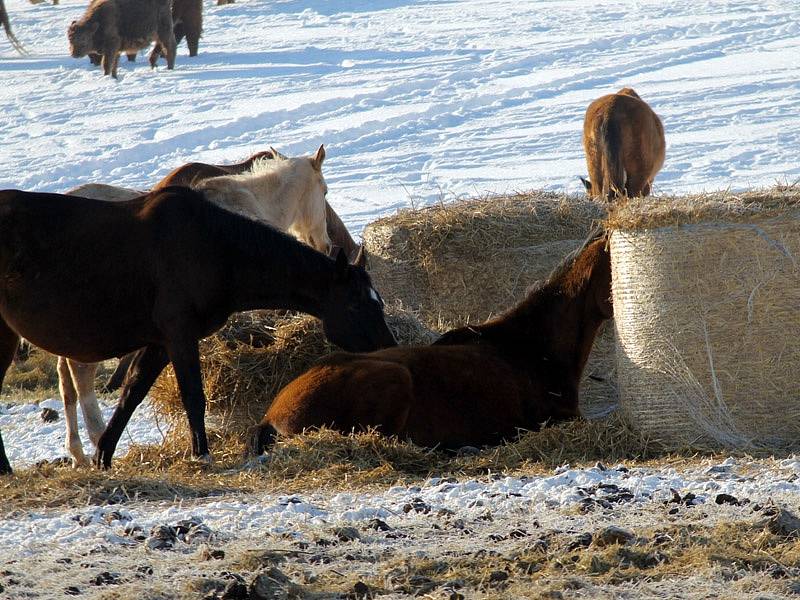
pixel 8 348
pixel 83 380
pixel 69 396
pixel 120 373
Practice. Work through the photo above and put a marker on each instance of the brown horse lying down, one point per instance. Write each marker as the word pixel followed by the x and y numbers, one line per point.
pixel 624 143
pixel 90 280
pixel 476 385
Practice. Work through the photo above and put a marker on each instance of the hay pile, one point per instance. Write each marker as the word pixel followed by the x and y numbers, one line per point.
pixel 248 361
pixel 466 261
pixel 707 309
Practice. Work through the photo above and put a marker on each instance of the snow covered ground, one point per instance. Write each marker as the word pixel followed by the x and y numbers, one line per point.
pixel 417 101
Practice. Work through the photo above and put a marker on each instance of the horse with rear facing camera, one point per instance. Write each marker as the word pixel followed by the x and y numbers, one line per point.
pixel 475 385
pixel 624 143
pixel 91 280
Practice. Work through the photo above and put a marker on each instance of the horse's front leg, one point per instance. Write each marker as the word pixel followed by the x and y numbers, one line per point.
pixel 185 357
pixel 146 367
pixel 8 348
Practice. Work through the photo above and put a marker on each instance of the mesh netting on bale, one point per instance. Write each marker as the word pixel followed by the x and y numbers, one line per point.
pixel 707 310
pixel 248 361
pixel 465 261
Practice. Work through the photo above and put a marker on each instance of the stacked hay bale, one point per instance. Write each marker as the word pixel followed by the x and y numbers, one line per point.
pixel 248 361
pixel 467 261
pixel 707 310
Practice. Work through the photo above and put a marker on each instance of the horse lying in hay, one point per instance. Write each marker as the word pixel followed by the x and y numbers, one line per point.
pixel 161 272
pixel 624 143
pixel 475 385
pixel 294 188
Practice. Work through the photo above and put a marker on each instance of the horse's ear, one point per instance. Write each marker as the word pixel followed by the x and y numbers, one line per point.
pixel 361 257
pixel 276 155
pixel 316 160
pixel 341 263
pixel 587 184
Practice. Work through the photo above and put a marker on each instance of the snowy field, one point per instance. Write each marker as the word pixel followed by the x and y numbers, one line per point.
pixel 416 102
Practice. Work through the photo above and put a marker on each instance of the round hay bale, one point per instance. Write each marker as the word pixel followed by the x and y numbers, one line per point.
pixel 465 261
pixel 248 361
pixel 707 309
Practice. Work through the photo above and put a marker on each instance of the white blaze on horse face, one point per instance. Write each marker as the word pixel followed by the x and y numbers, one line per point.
pixel 375 296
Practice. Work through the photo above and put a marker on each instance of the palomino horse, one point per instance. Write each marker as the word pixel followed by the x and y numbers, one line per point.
pixel 624 143
pixel 161 272
pixel 7 26
pixel 76 380
pixel 475 385
pixel 288 193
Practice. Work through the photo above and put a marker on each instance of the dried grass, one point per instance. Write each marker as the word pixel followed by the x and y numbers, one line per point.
pixel 466 261
pixel 37 373
pixel 654 212
pixel 707 319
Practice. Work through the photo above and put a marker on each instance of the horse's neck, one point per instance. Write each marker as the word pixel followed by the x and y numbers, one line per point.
pixel 558 323
pixel 272 197
pixel 300 285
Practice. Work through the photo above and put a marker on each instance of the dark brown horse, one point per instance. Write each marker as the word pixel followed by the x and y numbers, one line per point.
pixel 624 143
pixel 11 37
pixel 476 385
pixel 91 280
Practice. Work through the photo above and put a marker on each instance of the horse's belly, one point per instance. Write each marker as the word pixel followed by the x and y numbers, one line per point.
pixel 79 322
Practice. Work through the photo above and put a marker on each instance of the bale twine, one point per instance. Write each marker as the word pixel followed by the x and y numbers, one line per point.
pixel 707 310
pixel 248 361
pixel 465 261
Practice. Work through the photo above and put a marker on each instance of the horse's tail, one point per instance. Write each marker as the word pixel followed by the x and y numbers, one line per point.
pixel 614 176
pixel 118 376
pixel 7 26
pixel 262 436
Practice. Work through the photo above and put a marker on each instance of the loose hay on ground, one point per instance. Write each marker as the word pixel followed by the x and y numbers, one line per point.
pixel 466 261
pixel 706 295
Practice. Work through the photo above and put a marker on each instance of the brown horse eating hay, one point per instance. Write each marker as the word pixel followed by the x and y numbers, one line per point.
pixel 476 385
pixel 624 143
pixel 76 379
pixel 91 280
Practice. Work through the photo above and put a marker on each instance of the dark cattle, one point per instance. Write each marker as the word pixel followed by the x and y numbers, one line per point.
pixel 109 27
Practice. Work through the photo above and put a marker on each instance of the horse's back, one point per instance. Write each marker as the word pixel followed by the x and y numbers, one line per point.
pixel 105 192
pixel 432 395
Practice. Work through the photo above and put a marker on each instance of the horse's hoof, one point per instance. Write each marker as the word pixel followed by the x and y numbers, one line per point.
pixel 5 469
pixel 203 459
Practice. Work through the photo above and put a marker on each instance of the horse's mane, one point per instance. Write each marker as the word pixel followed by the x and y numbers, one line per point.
pixel 568 262
pixel 249 237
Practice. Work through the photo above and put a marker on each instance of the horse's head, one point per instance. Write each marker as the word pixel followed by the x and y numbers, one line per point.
pixel 80 37
pixel 352 314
